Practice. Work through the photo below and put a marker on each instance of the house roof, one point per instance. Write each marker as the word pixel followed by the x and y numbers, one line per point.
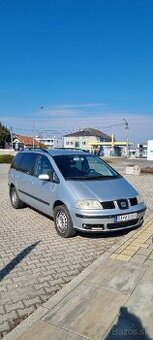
pixel 89 132
pixel 27 140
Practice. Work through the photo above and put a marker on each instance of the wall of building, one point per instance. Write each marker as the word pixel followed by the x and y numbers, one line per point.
pixel 81 142
pixel 150 150
pixel 7 152
pixel 51 143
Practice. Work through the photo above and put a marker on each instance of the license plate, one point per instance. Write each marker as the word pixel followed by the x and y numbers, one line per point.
pixel 124 218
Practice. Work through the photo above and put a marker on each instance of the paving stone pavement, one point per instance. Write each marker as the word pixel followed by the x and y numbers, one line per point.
pixel 35 262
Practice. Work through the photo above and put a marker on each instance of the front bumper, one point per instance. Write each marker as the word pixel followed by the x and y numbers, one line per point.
pixel 106 221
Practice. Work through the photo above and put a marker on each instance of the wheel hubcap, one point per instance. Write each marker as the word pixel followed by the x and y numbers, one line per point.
pixel 61 221
pixel 14 197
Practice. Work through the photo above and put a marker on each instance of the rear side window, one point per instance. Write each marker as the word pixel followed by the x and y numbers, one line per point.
pixel 27 163
pixel 17 161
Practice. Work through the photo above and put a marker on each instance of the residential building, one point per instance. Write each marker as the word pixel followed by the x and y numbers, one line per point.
pixel 51 143
pixel 24 142
pixel 150 150
pixel 83 139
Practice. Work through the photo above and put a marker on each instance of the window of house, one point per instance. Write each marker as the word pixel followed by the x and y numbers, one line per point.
pixel 77 144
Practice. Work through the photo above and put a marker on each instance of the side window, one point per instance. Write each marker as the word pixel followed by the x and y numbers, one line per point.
pixel 17 161
pixel 43 166
pixel 27 163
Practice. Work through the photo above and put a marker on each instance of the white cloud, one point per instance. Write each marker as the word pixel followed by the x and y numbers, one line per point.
pixel 66 118
pixel 78 106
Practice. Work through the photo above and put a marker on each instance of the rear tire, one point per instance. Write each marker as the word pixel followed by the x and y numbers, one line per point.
pixel 63 222
pixel 15 200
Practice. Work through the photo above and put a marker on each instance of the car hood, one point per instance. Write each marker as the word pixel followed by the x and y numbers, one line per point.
pixel 103 190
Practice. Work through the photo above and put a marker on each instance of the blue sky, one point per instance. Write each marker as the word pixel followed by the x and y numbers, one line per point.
pixel 89 63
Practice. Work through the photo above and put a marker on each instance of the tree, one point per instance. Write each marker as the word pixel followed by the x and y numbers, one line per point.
pixel 5 135
pixel 42 146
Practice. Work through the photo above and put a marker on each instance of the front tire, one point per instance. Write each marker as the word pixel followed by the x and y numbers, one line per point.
pixel 15 200
pixel 63 222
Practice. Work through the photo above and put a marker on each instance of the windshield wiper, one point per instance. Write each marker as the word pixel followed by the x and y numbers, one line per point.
pixel 86 178
pixel 93 177
pixel 75 178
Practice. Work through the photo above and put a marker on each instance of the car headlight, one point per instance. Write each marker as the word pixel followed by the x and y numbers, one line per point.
pixel 140 199
pixel 88 204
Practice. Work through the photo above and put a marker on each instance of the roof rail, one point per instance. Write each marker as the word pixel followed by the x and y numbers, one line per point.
pixel 36 149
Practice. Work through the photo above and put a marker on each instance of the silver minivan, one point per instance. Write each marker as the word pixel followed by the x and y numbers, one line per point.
pixel 79 190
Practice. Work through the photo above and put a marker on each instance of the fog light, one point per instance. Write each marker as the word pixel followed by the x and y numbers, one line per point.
pixel 86 226
pixel 95 227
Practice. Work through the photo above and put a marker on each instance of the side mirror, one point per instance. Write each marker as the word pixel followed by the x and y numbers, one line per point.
pixel 55 179
pixel 44 177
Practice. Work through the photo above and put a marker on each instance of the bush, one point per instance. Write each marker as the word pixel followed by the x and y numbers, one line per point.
pixel 6 159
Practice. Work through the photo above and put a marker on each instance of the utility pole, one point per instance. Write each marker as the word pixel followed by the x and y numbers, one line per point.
pixel 11 137
pixel 33 139
pixel 33 129
pixel 127 136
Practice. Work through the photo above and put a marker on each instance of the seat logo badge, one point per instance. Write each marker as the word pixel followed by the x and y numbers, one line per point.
pixel 123 204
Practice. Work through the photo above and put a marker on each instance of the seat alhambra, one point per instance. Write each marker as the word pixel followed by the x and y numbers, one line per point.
pixel 79 190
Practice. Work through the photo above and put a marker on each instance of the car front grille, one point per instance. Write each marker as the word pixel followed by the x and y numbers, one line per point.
pixel 108 205
pixel 133 201
pixel 122 203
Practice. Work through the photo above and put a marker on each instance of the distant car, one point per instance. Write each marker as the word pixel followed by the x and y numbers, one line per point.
pixel 78 189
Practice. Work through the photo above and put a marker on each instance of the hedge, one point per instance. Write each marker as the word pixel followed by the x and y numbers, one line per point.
pixel 6 158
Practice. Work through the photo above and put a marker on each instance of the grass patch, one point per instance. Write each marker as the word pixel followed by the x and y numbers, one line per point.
pixel 6 159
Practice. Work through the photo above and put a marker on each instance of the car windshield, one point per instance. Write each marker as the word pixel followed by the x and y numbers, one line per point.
pixel 84 167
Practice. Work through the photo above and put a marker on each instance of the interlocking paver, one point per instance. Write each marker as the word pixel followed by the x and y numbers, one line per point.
pixel 41 262
pixel 1 310
pixel 14 306
pixel 4 327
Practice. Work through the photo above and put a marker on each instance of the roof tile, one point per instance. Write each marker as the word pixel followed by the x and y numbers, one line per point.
pixel 27 140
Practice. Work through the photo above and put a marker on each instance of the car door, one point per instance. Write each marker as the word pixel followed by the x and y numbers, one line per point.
pixel 43 191
pixel 24 177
